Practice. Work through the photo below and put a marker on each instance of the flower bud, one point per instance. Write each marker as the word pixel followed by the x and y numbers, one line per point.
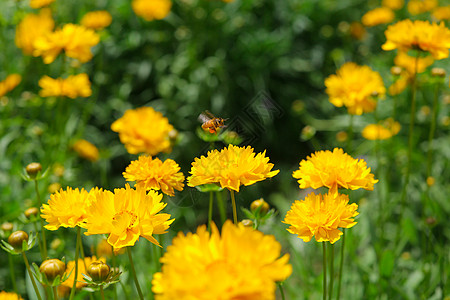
pixel 396 71
pixel 52 268
pixel 55 244
pixel 33 169
pixel 16 238
pixel 261 204
pixel 7 226
pixel 341 136
pixel 31 212
pixel 98 271
pixel 437 72
pixel 430 181
pixel 247 223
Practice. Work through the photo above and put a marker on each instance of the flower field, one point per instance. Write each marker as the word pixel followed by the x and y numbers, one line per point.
pixel 224 149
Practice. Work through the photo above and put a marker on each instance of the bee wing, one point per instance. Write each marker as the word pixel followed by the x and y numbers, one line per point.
pixel 203 118
pixel 209 114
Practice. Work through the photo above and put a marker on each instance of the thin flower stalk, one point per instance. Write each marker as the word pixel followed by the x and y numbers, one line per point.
pixel 341 265
pixel 222 207
pixel 133 271
pixel 432 129
pixel 11 271
pixel 324 271
pixel 77 250
pixel 43 241
pixel 280 286
pixel 233 203
pixel 330 290
pixel 31 275
pixel 210 210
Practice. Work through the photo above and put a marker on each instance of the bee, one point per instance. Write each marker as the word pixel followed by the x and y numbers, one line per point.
pixel 210 122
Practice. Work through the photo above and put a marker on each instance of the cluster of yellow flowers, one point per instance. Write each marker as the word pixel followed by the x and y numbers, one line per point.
pixel 322 215
pixel 73 86
pixel 10 82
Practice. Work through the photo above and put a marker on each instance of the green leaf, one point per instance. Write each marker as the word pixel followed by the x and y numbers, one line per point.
pixel 387 263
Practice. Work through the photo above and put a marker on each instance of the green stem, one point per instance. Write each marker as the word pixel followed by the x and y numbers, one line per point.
pixel 55 293
pixel 39 241
pixel 233 203
pixel 432 130
pixel 13 275
pixel 161 242
pixel 133 271
pixel 114 263
pixel 280 286
pixel 222 207
pixel 44 242
pixel 31 276
pixel 102 293
pixel 330 290
pixel 77 250
pixel 324 270
pixel 341 265
pixel 350 135
pixel 210 210
pixel 410 148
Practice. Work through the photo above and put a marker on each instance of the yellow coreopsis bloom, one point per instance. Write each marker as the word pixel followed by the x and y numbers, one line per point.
pixel 31 28
pixel 73 86
pixel 242 263
pixel 40 3
pixel 10 82
pixel 231 167
pixel 96 19
pixel 421 35
pixel 9 296
pixel 153 174
pixel 86 150
pixel 393 4
pixel 126 215
pixel 380 15
pixel 151 10
pixel 409 63
pixel 416 7
pixel 383 131
pixel 355 87
pixel 400 84
pixel 334 170
pixel 82 264
pixel 144 130
pixel 75 40
pixel 442 13
pixel 321 216
pixel 67 208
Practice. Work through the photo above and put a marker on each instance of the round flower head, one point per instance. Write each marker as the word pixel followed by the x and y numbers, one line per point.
pixel 96 19
pixel 393 4
pixel 86 150
pixel 334 170
pixel 9 296
pixel 143 130
pixel 82 264
pixel 321 216
pixel 151 10
pixel 416 7
pixel 126 215
pixel 153 174
pixel 75 40
pixel 421 35
pixel 67 208
pixel 442 13
pixel 10 82
pixel 74 86
pixel 31 28
pixel 377 16
pixel 241 264
pixel 382 131
pixel 354 87
pixel 231 167
pixel 40 3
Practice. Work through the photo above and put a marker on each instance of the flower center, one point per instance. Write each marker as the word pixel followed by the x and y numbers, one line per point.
pixel 126 218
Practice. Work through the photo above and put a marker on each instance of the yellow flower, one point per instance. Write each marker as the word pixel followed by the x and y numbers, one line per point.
pixel 231 167
pixel 393 4
pixel 383 131
pixel 400 84
pixel 126 215
pixel 82 264
pixel 442 13
pixel 67 208
pixel 75 40
pixel 96 19
pixel 10 82
pixel 357 30
pixel 355 87
pixel 380 15
pixel 153 174
pixel 416 7
pixel 9 296
pixel 321 216
pixel 31 28
pixel 334 170
pixel 241 264
pixel 143 130
pixel 421 35
pixel 152 10
pixel 74 86
pixel 40 3
pixel 409 63
pixel 86 150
